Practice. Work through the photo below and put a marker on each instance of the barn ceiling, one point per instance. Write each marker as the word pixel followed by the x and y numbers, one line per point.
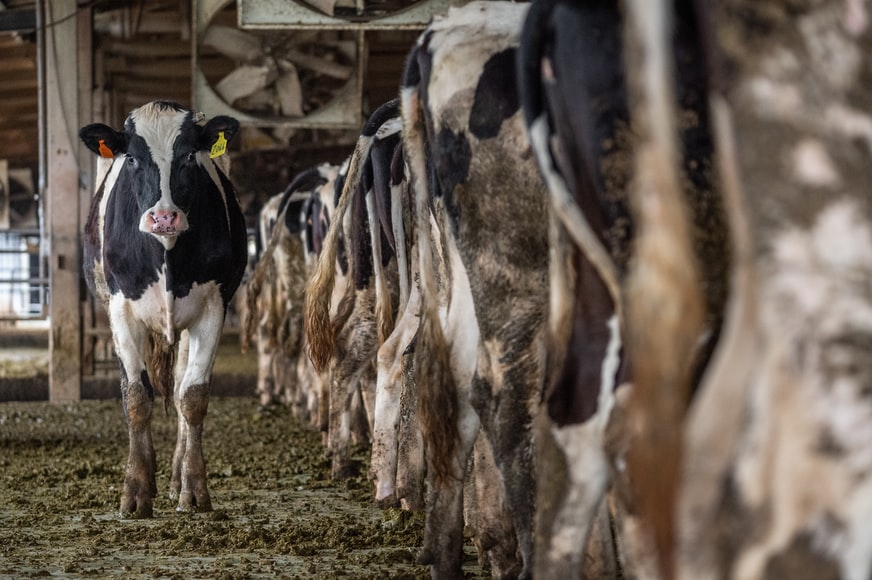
pixel 19 138
pixel 142 50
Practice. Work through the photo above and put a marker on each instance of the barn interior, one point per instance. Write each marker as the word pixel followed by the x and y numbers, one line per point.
pixel 301 76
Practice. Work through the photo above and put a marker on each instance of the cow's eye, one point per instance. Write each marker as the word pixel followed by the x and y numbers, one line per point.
pixel 192 157
pixel 132 162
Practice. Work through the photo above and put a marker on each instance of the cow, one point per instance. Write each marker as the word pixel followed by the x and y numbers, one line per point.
pixel 777 480
pixel 277 286
pixel 774 465
pixel 319 214
pixel 164 252
pixel 619 176
pixel 482 230
pixel 265 306
pixel 396 463
pixel 348 341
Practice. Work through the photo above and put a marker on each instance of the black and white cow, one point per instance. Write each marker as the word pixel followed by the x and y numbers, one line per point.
pixel 165 249
pixel 397 452
pixel 629 268
pixel 778 470
pixel 348 340
pixel 276 289
pixel 482 235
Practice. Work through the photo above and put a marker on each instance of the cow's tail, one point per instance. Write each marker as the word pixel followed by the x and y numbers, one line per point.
pixel 564 206
pixel 437 391
pixel 264 270
pixel 162 361
pixel 320 331
pixel 383 311
pixel 664 301
pixel 399 213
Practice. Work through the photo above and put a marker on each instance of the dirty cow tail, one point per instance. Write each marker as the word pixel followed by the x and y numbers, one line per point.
pixel 320 332
pixel 161 364
pixel 664 297
pixel 437 392
pixel 264 270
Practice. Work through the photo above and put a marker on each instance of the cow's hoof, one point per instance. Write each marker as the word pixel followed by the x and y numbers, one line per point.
pixel 413 503
pixel 131 508
pixel 345 470
pixel 188 502
pixel 425 557
pixel 388 502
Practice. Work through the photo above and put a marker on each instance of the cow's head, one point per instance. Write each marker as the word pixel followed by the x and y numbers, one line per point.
pixel 164 152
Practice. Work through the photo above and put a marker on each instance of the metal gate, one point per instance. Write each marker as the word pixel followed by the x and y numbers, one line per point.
pixel 24 288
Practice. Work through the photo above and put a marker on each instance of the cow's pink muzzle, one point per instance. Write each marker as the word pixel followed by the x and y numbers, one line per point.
pixel 164 222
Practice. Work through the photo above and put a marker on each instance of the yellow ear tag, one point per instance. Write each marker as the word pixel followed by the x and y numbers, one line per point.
pixel 219 147
pixel 105 152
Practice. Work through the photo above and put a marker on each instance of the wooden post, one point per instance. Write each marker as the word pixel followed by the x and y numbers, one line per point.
pixel 63 194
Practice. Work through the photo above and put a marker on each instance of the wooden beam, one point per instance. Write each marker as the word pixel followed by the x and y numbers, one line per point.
pixel 22 121
pixel 18 63
pixel 63 202
pixel 18 99
pixel 18 50
pixel 20 84
pixel 18 144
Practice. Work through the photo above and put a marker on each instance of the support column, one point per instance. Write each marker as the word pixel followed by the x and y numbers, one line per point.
pixel 65 42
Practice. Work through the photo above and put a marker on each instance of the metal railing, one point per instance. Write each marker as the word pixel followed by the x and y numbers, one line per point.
pixel 24 284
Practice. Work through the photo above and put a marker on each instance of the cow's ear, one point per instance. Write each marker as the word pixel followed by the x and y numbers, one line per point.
pixel 103 140
pixel 217 133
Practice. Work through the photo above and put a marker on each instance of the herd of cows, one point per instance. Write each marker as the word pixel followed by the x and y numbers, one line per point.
pixel 595 286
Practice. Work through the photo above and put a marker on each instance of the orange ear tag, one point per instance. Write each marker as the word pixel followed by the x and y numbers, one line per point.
pixel 105 151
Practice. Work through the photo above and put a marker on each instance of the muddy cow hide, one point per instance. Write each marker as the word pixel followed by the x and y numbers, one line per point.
pixel 623 254
pixel 276 290
pixel 265 308
pixel 479 354
pixel 319 215
pixel 397 464
pixel 346 343
pixel 778 477
pixel 397 450
pixel 165 249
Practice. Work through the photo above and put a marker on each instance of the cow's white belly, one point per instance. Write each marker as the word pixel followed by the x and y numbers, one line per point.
pixel 165 314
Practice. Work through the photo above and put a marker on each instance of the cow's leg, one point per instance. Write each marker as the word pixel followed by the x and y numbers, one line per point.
pixel 288 388
pixel 387 402
pixel 600 553
pixel 307 376
pixel 351 364
pixel 323 419
pixel 360 423
pixel 383 465
pixel 137 395
pixel 192 403
pixel 505 390
pixel 342 386
pixel 181 426
pixel 296 386
pixel 265 378
pixel 443 530
pixel 580 451
pixel 495 538
pixel 411 468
